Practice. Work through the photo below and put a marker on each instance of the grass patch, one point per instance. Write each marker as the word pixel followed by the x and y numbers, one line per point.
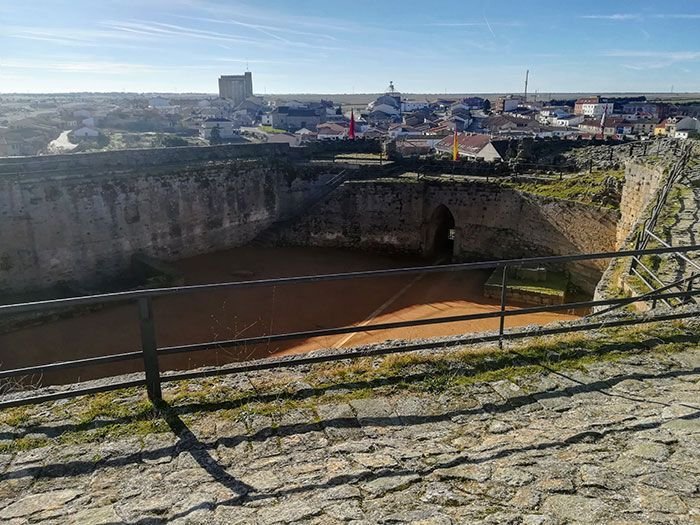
pixel 270 129
pixel 588 188
pixel 122 414
pixel 556 283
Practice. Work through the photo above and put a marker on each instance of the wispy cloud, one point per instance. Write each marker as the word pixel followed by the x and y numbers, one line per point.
pixel 484 23
pixel 101 67
pixel 77 37
pixel 621 17
pixel 163 30
pixel 270 30
pixel 678 16
pixel 489 27
pixel 653 59
pixel 670 55
pixel 617 16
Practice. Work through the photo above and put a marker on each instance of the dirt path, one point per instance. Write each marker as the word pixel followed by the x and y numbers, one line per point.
pixel 61 144
pixel 261 311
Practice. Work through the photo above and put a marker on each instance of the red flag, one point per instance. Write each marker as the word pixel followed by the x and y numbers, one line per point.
pixel 351 132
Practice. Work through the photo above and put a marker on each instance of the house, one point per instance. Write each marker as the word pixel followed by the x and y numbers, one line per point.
pixel 660 130
pixel 291 118
pixel 370 132
pixel 331 131
pixel 506 125
pixel 413 105
pixel 306 135
pixel 687 124
pixel 473 102
pixel 591 126
pixel 408 146
pixel 611 127
pixel 226 129
pixel 643 127
pixel 378 117
pixel 507 103
pixel 646 110
pixel 592 107
pixel 567 121
pixel 86 133
pixel 474 146
pixel 386 108
pixel 687 127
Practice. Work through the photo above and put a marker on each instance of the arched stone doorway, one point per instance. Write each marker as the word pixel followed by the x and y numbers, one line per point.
pixel 440 233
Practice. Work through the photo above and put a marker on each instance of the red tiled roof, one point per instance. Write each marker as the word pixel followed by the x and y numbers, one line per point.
pixel 468 143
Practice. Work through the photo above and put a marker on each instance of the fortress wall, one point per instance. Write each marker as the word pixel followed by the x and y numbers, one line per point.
pixel 61 225
pixel 642 183
pixel 491 222
pixel 138 158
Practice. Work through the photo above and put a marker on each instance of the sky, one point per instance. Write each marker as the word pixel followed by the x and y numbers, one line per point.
pixel 350 46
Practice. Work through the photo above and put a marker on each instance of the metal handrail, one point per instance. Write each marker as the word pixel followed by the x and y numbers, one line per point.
pixel 150 351
pixel 455 267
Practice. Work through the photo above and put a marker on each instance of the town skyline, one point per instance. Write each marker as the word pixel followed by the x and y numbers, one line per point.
pixel 464 47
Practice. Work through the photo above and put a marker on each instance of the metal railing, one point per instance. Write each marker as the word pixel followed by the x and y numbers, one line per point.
pixel 646 233
pixel 650 224
pixel 150 352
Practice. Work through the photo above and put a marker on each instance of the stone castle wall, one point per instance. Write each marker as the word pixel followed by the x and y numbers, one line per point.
pixel 642 183
pixel 72 225
pixel 139 158
pixel 490 222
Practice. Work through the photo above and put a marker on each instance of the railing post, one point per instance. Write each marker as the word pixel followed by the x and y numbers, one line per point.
pixel 149 348
pixel 504 280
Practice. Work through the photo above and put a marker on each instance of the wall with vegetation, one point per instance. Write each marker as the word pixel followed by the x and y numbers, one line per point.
pixel 491 221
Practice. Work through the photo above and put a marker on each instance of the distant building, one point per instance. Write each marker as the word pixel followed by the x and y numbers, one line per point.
pixel 408 106
pixel 507 103
pixel 475 147
pixel 292 119
pixel 332 132
pixel 644 126
pixel 236 88
pixel 646 109
pixel 567 121
pixel 226 129
pixel 592 107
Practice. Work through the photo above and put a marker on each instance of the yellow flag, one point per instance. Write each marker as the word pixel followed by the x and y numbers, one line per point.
pixel 455 146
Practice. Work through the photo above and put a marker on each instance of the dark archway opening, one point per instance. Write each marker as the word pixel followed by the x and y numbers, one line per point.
pixel 441 231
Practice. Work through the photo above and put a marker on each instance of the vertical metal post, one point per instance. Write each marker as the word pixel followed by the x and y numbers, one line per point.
pixel 149 348
pixel 504 280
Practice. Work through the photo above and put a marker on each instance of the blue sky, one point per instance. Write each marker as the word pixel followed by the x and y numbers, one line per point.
pixel 349 46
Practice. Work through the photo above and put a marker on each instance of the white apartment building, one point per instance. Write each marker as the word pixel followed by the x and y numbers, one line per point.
pixel 596 109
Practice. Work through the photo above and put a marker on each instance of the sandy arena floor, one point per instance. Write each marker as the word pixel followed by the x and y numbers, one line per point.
pixel 261 311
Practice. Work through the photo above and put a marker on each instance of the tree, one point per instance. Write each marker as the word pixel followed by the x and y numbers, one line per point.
pixel 487 105
pixel 215 137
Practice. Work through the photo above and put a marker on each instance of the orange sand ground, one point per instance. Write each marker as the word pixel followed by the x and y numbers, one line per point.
pixel 251 312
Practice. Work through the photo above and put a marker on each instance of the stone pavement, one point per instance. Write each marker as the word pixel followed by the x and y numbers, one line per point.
pixel 614 442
